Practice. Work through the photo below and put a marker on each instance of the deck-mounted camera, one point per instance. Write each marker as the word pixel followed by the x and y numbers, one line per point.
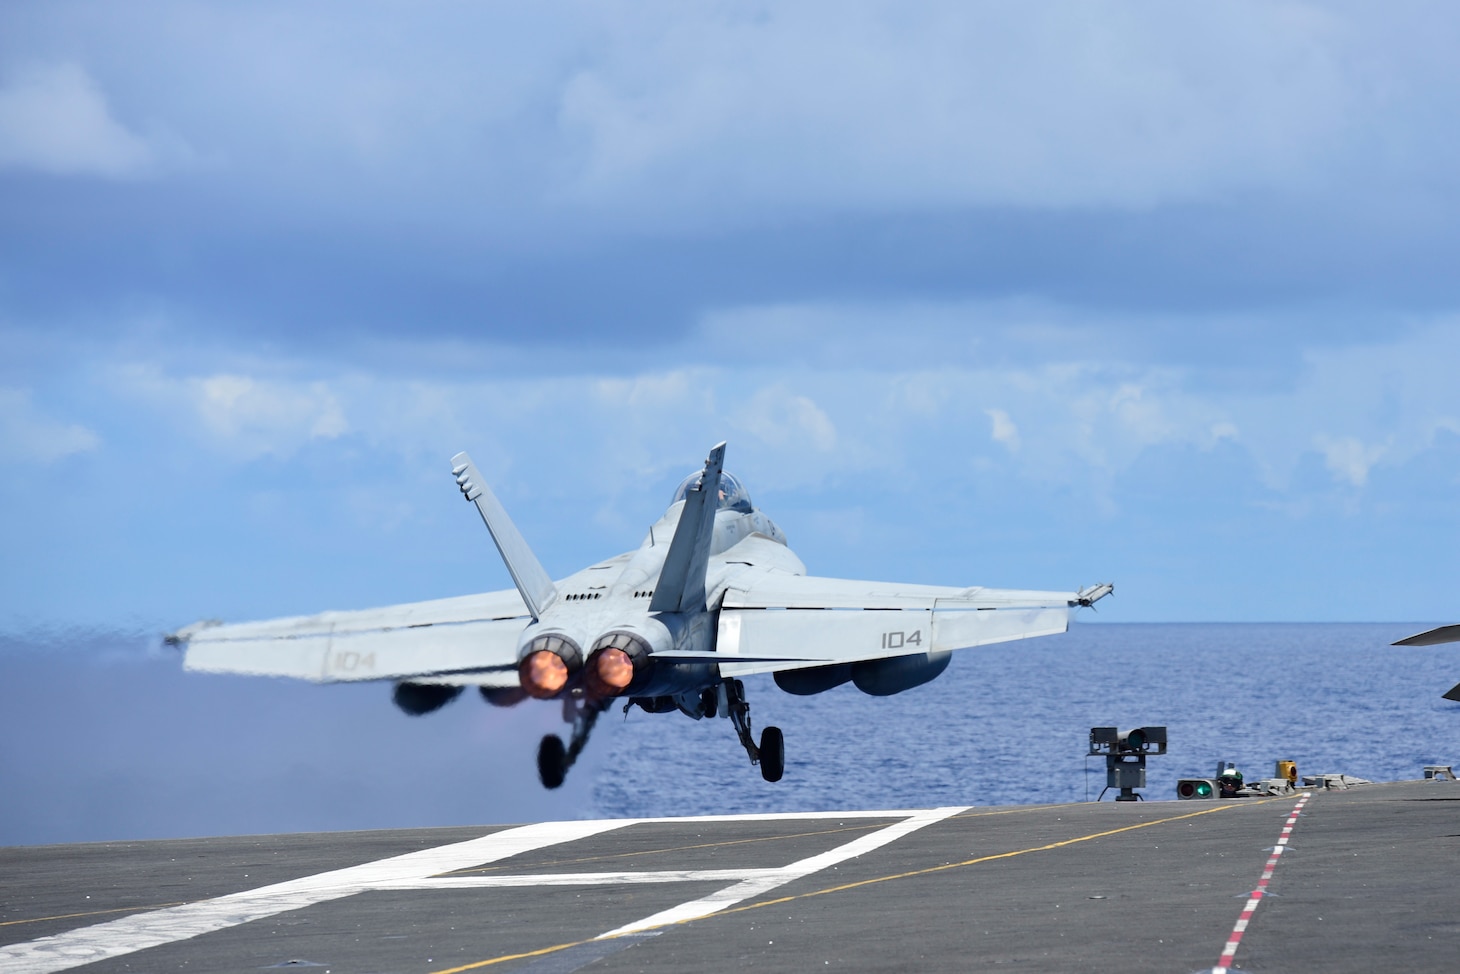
pixel 1125 757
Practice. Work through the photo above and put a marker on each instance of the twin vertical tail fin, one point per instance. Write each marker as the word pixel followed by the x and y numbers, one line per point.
pixel 538 591
pixel 681 585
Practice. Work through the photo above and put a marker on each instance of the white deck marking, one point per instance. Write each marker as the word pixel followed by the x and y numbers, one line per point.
pixel 422 871
pixel 580 879
pixel 900 813
pixel 728 897
pixel 141 931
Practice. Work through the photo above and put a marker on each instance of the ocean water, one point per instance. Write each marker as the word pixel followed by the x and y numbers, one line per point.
pixel 1009 724
pixel 103 736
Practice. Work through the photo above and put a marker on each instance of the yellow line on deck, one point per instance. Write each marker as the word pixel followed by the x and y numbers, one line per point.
pixel 655 852
pixel 97 913
pixel 879 824
pixel 980 859
pixel 868 882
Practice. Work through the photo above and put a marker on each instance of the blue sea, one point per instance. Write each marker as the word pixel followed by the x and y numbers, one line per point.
pixel 1010 724
pixel 102 736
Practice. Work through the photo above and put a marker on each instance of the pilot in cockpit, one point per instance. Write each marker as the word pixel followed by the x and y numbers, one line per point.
pixel 733 495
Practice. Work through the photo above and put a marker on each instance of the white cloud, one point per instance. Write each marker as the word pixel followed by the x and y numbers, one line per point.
pixel 1141 414
pixel 958 103
pixel 1004 431
pixel 238 414
pixel 1357 405
pixel 787 421
pixel 54 119
pixel 1082 422
pixel 28 435
pixel 1089 413
pixel 239 407
pixel 662 113
pixel 1348 458
pixel 1224 431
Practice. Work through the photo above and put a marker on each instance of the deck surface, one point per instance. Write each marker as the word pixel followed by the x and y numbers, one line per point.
pixel 1367 881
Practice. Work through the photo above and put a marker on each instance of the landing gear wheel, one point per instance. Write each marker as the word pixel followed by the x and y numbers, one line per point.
pixel 552 763
pixel 772 754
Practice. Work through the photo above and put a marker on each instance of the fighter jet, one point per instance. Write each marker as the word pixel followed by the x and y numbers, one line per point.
pixel 1434 637
pixel 712 595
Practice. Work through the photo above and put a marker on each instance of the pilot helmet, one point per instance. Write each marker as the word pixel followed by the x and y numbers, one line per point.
pixel 733 495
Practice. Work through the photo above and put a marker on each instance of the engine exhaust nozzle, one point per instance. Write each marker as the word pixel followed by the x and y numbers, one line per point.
pixel 548 665
pixel 617 665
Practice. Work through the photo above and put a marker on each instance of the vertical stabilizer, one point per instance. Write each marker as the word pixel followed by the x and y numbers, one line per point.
pixel 538 591
pixel 681 586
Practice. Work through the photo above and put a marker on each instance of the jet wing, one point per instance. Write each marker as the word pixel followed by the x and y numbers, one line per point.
pixel 771 620
pixel 467 640
pixel 1432 637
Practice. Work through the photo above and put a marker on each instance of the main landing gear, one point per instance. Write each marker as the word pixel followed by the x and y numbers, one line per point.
pixel 771 754
pixel 553 757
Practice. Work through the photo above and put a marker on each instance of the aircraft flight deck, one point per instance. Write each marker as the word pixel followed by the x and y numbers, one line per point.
pixel 1353 880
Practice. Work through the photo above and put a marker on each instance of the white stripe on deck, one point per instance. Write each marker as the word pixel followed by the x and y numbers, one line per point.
pixel 422 871
pixel 900 813
pixel 580 879
pixel 744 890
pixel 127 935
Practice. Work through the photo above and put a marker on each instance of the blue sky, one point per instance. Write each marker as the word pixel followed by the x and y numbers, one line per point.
pixel 978 293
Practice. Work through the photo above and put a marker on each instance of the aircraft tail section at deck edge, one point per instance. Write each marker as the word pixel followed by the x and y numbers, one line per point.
pixel 713 594
pixel 1435 637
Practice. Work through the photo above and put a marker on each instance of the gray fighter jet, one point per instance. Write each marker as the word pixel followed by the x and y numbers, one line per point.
pixel 1434 637
pixel 712 595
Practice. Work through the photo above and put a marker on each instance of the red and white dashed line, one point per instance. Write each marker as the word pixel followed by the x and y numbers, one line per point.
pixel 1230 950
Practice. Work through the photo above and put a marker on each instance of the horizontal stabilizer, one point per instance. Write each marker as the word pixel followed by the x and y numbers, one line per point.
pixel 538 591
pixel 1454 693
pixel 1432 637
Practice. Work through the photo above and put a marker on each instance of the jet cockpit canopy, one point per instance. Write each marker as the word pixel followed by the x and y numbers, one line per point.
pixel 733 495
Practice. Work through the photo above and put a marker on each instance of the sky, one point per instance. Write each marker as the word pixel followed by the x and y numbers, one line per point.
pixel 1161 294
